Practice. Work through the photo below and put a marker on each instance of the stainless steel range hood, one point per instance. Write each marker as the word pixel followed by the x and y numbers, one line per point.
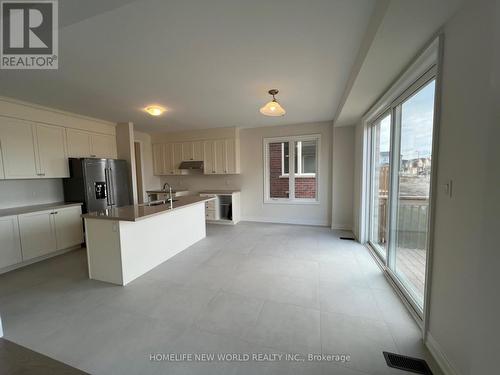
pixel 191 167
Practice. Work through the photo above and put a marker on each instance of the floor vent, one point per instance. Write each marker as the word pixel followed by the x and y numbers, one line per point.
pixel 402 362
pixel 347 238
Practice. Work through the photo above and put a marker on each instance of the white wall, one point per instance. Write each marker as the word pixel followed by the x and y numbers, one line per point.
pixel 150 181
pixel 343 177
pixel 15 193
pixel 464 306
pixel 252 179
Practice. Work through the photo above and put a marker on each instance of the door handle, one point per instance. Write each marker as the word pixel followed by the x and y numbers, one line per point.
pixel 111 194
pixel 106 177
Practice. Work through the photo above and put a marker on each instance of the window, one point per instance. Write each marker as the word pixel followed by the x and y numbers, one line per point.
pixel 305 158
pixel 298 185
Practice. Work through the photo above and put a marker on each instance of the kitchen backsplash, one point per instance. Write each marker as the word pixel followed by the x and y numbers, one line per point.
pixel 15 193
pixel 203 182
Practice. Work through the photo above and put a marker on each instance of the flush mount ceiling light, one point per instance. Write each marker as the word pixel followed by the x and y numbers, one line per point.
pixel 273 108
pixel 154 110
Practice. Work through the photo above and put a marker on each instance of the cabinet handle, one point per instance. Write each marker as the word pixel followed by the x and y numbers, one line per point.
pixel 55 213
pixel 92 156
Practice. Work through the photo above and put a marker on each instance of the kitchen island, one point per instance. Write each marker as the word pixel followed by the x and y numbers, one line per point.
pixel 124 243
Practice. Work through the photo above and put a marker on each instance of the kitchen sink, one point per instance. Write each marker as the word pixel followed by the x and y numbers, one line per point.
pixel 158 203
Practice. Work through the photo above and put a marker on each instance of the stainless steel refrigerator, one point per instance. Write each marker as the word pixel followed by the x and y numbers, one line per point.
pixel 98 183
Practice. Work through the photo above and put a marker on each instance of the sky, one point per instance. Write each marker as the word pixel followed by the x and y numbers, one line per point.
pixel 416 125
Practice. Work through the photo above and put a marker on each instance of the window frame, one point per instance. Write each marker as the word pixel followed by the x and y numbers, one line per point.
pixel 291 176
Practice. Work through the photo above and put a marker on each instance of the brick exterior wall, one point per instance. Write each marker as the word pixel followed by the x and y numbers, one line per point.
pixel 304 187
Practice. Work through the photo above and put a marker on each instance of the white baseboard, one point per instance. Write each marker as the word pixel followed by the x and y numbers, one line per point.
pixel 342 227
pixel 439 356
pixel 314 222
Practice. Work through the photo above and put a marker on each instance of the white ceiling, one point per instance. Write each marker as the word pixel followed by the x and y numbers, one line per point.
pixel 403 29
pixel 210 62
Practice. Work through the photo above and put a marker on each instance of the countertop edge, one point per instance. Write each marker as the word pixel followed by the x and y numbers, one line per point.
pixel 130 220
pixel 21 210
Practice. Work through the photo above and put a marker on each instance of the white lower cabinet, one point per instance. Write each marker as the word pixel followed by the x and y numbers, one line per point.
pixel 68 225
pixel 45 232
pixel 10 249
pixel 38 236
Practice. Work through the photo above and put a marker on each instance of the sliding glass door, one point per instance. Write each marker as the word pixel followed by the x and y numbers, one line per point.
pixel 412 190
pixel 400 181
pixel 379 193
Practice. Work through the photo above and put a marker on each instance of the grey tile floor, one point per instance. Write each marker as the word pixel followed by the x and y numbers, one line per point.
pixel 252 288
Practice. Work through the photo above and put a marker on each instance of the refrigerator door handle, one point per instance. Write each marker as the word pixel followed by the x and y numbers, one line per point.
pixel 112 187
pixel 108 187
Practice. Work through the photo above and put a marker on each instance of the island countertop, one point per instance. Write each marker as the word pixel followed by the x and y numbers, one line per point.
pixel 140 212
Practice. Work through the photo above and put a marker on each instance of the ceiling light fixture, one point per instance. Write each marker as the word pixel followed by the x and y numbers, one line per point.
pixel 154 110
pixel 273 108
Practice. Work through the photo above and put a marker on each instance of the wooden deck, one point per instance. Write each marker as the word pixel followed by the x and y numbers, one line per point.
pixel 410 264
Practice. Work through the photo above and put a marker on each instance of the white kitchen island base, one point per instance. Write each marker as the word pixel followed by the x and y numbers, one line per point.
pixel 120 251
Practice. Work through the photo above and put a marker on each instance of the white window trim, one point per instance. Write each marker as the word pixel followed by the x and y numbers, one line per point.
pixel 291 201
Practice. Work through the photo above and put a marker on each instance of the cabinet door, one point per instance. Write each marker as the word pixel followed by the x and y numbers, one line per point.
pixel 18 148
pixel 68 227
pixel 220 157
pixel 198 150
pixel 78 143
pixel 103 146
pixel 187 151
pixel 230 156
pixel 52 151
pixel 10 250
pixel 209 158
pixel 168 152
pixel 37 234
pixel 177 155
pixel 158 159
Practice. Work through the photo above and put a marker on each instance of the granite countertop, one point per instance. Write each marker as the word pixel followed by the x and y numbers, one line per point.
pixel 140 212
pixel 36 208
pixel 221 192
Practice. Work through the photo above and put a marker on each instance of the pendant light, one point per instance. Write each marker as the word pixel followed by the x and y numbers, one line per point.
pixel 273 108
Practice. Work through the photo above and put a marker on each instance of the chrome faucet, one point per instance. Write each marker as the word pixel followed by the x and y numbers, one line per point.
pixel 170 198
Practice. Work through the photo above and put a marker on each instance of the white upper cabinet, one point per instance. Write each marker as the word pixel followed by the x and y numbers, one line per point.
pixel 168 159
pixel 209 157
pixel 10 250
pixel 176 155
pixel 52 160
pixel 187 151
pixel 78 143
pixel 103 146
pixel 220 156
pixel 82 144
pixel 68 227
pixel 18 148
pixel 158 159
pixel 198 150
pixel 230 156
